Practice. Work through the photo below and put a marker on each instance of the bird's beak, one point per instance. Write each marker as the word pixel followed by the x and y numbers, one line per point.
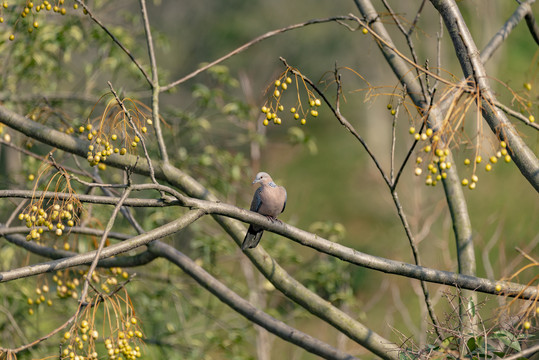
pixel 255 181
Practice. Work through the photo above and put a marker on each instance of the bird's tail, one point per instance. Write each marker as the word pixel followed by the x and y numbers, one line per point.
pixel 252 238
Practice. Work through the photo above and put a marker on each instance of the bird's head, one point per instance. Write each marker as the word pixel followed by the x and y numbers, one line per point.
pixel 262 177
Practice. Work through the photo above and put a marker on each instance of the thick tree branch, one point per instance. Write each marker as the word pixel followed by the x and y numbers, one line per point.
pixel 243 307
pixel 521 11
pixel 473 69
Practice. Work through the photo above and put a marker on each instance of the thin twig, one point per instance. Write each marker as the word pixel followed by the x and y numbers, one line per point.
pixel 516 115
pixel 155 84
pixel 116 40
pixel 251 43
pixel 344 122
pixel 137 132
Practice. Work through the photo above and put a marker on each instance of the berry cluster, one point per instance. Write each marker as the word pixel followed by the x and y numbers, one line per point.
pixel 437 163
pixel 104 137
pixel 30 11
pixel 492 160
pixel 81 341
pixel 274 105
pixel 51 217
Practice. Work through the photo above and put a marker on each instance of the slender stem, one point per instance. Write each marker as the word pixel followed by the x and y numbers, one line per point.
pixel 115 39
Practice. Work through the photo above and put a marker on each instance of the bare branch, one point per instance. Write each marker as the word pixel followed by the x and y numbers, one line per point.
pixel 243 307
pixel 253 42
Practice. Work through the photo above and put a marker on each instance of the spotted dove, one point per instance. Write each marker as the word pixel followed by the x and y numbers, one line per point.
pixel 269 200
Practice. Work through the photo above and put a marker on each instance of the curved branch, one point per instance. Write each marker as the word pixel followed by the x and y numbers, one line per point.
pixel 365 260
pixel 243 307
pixel 521 11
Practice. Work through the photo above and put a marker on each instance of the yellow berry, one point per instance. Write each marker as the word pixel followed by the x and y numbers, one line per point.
pixel 393 112
pixel 288 80
pixel 475 178
pixel 317 102
pixel 526 325
pixel 284 86
pixel 314 113
pixel 1 19
pixel 503 144
pixel 123 151
pixel 411 130
pixel 418 171
pixel 488 167
pixel 493 159
pixel 296 116
pixel 478 159
pixel 427 148
pixel 63 11
pixel 137 139
pixel 292 110
pixel 472 186
pixel 429 132
pixel 264 109
pixel 277 83
pixel 276 93
pixel 67 335
pixel 424 136
pixel 464 182
pixel 36 24
pixel 265 122
pixel 280 107
pixel 466 161
pixel 507 158
pixel 365 31
pixel 31 177
pixel 498 287
pixel 532 118
pixel 389 106
pixel 527 86
pixel 11 37
pixel 303 121
pixel 75 6
pixel 417 136
pixel 133 321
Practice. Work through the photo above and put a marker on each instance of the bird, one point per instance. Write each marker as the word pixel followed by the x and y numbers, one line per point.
pixel 269 200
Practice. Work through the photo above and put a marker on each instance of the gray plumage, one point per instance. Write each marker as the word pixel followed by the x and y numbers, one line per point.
pixel 269 200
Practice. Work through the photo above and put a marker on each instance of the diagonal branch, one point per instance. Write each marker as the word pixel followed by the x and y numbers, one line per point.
pixel 243 307
pixel 473 68
pixel 116 40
